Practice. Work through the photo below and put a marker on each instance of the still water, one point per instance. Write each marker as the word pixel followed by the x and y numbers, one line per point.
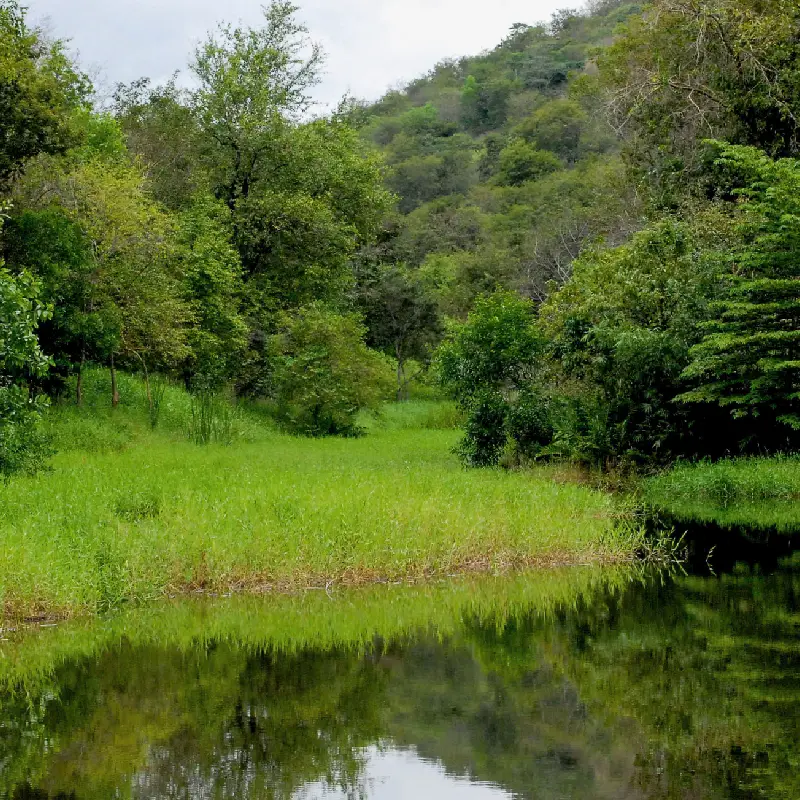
pixel 640 686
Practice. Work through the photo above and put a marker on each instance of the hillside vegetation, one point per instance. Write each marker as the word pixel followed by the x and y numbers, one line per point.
pixel 585 238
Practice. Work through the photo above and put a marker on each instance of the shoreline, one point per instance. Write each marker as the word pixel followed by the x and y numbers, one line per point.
pixel 256 587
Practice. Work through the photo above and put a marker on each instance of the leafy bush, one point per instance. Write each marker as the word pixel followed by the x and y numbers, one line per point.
pixel 324 374
pixel 485 431
pixel 485 363
pixel 23 447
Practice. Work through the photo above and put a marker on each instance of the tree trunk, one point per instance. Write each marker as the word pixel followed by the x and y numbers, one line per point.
pixel 114 392
pixel 79 384
pixel 401 374
pixel 147 383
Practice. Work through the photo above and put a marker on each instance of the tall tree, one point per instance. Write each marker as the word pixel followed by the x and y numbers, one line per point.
pixel 253 83
pixel 124 272
pixel 749 358
pixel 687 70
pixel 39 88
pixel 402 318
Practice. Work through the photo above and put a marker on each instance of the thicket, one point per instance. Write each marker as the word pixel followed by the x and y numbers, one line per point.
pixel 682 339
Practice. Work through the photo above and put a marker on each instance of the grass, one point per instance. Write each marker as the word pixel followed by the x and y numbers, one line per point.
pixel 128 514
pixel 744 492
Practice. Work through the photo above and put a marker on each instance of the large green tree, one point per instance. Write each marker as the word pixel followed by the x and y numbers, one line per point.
pixel 692 69
pixel 39 89
pixel 749 358
pixel 110 262
pixel 22 446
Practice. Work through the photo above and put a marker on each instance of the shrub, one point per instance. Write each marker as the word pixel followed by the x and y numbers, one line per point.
pixel 22 444
pixel 485 431
pixel 324 374
pixel 485 364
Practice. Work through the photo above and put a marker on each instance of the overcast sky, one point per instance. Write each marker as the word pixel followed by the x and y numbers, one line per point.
pixel 371 44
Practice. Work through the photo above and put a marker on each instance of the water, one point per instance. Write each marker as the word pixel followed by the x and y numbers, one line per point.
pixel 625 687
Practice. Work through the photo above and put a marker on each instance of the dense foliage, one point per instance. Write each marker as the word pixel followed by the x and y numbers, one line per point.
pixel 170 235
pixel 596 220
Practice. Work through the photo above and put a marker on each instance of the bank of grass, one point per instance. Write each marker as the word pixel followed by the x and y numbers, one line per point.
pixel 129 514
pixel 751 492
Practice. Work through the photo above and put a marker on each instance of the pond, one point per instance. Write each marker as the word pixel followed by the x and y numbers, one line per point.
pixel 581 684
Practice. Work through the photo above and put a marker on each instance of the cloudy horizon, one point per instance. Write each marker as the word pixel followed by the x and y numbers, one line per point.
pixel 371 45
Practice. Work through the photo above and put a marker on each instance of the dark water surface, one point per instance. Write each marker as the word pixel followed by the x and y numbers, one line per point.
pixel 656 687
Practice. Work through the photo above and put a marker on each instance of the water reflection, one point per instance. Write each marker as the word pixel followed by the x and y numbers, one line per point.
pixel 671 688
pixel 399 774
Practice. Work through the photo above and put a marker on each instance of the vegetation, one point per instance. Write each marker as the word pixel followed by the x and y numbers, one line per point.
pixel 746 492
pixel 586 236
pixel 130 514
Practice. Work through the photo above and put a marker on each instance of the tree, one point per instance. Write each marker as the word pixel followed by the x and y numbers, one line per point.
pixel 323 372
pixel 22 446
pixel 252 83
pixel 619 334
pixel 689 70
pixel 485 364
pixel 748 361
pixel 126 287
pixel 484 105
pixel 557 127
pixel 520 162
pixel 211 277
pixel 303 196
pixel 160 127
pixel 39 90
pixel 403 320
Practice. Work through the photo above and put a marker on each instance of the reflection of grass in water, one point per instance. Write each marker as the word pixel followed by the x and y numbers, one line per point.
pixel 313 619
pixel 753 492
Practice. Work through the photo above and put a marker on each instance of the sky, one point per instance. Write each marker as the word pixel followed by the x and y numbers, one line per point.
pixel 372 45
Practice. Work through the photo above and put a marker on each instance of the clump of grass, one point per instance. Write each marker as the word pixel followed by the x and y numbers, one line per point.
pixel 415 415
pixel 213 418
pixel 282 513
pixel 138 507
pixel 755 492
pixel 158 390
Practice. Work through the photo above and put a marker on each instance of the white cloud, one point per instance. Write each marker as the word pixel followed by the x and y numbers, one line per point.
pixel 371 44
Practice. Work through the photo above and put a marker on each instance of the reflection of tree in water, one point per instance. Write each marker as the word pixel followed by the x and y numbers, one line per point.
pixel 685 689
pixel 710 670
pixel 217 722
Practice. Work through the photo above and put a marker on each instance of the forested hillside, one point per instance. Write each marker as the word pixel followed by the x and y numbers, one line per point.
pixel 503 164
pixel 585 235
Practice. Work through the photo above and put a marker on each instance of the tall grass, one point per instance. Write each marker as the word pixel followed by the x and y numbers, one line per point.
pixel 213 418
pixel 756 492
pixel 156 515
pixel 173 413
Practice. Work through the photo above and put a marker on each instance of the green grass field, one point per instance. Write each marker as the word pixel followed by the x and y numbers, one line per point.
pixel 750 492
pixel 127 515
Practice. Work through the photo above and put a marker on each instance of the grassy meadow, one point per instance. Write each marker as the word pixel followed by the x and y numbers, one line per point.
pixel 750 492
pixel 128 514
